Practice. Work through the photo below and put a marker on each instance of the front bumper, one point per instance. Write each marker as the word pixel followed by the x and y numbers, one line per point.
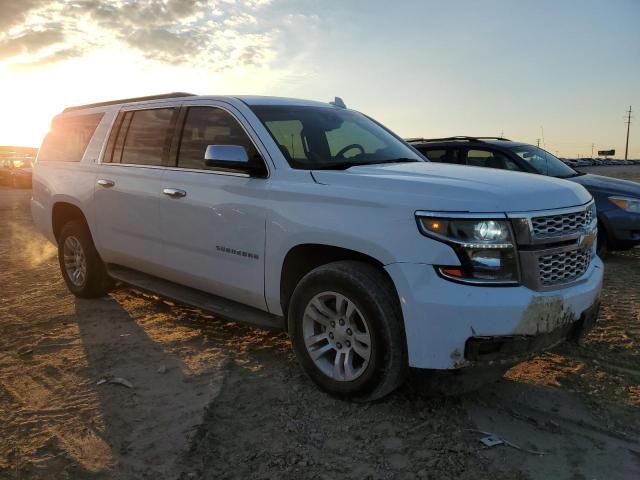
pixel 445 321
pixel 622 227
pixel 514 348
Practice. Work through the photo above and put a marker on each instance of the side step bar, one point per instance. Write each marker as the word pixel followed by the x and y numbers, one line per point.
pixel 221 307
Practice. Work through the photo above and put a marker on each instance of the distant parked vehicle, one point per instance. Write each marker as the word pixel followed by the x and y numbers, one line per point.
pixel 5 172
pixel 15 166
pixel 617 201
pixel 21 173
pixel 15 173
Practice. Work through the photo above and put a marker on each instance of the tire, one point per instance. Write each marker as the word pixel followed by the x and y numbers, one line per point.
pixel 75 238
pixel 369 312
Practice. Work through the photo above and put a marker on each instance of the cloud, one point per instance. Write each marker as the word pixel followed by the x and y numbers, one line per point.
pixel 15 12
pixel 219 33
pixel 29 42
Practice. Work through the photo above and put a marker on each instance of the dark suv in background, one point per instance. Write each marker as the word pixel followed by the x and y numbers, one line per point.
pixel 617 201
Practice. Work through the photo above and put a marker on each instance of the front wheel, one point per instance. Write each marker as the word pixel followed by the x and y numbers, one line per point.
pixel 347 330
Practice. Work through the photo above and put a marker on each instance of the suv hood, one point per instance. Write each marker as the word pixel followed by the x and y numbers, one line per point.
pixel 608 185
pixel 456 188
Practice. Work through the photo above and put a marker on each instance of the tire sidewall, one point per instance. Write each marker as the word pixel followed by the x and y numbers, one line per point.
pixel 335 281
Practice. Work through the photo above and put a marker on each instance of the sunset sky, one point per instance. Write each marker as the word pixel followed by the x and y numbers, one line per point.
pixel 565 69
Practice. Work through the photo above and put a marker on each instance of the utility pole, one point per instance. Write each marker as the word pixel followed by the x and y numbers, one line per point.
pixel 628 122
pixel 592 145
pixel 538 142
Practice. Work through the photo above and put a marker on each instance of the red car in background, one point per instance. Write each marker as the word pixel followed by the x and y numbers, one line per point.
pixel 15 166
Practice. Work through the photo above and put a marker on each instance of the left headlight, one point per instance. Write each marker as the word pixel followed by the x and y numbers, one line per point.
pixel 626 203
pixel 485 247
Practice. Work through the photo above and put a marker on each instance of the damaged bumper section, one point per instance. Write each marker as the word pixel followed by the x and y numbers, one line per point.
pixel 513 348
pixel 451 326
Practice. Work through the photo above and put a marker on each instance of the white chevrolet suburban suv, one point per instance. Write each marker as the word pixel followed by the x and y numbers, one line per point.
pixel 316 219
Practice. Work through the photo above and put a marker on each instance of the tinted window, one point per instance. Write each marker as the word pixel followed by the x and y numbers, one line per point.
pixel 68 138
pixel 490 159
pixel 143 137
pixel 443 155
pixel 288 136
pixel 341 140
pixel 206 126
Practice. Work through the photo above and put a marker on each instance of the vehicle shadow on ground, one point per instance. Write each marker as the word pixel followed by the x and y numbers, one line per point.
pixel 147 425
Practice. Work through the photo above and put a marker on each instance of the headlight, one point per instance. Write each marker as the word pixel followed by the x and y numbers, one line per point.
pixel 626 203
pixel 485 248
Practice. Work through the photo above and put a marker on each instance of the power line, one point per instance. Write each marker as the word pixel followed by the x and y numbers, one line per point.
pixel 628 122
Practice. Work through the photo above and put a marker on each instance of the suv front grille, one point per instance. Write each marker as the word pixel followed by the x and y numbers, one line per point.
pixel 561 224
pixel 554 248
pixel 559 268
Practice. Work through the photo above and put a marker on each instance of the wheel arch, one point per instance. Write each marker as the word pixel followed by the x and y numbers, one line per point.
pixel 303 258
pixel 62 212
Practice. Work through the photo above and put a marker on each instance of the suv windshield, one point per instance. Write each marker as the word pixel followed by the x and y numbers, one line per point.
pixel 543 162
pixel 331 138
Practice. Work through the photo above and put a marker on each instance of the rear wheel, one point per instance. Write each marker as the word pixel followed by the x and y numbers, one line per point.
pixel 347 330
pixel 81 266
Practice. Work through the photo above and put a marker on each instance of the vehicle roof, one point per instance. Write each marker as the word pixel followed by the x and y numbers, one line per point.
pixel 470 141
pixel 265 100
pixel 247 99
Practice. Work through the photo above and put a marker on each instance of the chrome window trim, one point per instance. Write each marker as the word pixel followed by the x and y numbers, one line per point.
pixel 193 170
pixel 178 105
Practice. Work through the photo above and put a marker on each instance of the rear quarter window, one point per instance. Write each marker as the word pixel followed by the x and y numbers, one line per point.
pixel 68 138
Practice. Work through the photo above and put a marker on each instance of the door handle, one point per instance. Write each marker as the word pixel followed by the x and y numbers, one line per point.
pixel 106 183
pixel 174 192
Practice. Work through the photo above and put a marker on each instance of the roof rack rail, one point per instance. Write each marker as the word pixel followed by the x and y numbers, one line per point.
pixel 459 137
pixel 129 100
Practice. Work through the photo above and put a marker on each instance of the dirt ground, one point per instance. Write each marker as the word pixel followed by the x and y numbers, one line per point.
pixel 216 400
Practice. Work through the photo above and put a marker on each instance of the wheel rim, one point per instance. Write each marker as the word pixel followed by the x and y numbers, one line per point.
pixel 336 336
pixel 75 262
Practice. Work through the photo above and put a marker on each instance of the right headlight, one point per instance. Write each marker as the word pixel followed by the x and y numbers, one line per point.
pixel 485 247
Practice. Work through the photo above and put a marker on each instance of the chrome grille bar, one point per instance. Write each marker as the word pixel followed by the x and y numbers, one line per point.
pixel 555 247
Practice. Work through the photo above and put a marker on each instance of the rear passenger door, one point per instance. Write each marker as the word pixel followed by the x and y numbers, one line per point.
pixel 214 228
pixel 129 187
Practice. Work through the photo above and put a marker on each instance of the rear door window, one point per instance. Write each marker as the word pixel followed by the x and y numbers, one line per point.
pixel 443 155
pixel 141 137
pixel 68 138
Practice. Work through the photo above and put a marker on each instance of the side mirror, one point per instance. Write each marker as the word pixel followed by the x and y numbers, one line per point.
pixel 232 157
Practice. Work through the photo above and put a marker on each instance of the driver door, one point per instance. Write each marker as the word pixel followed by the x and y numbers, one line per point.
pixel 214 228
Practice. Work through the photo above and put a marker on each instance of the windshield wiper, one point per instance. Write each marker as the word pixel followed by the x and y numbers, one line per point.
pixel 573 175
pixel 398 160
pixel 347 164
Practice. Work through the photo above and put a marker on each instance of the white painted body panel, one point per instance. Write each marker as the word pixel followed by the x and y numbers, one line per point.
pixel 370 210
pixel 128 225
